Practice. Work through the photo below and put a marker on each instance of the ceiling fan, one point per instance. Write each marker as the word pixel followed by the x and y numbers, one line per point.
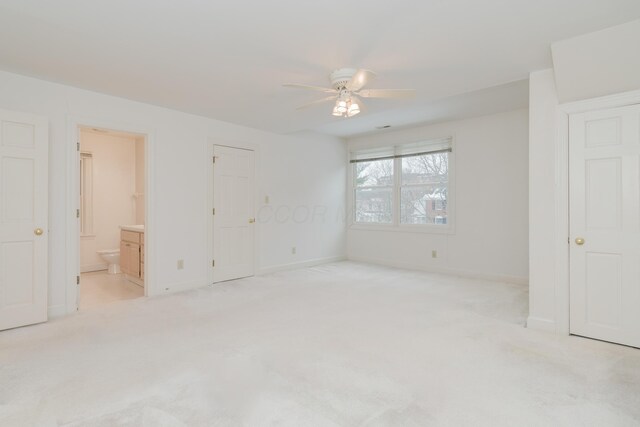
pixel 347 88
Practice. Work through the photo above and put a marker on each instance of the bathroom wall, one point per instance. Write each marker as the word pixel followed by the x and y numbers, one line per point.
pixel 139 193
pixel 114 185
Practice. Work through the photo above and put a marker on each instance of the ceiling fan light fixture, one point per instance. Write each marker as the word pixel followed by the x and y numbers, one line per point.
pixel 347 87
pixel 354 109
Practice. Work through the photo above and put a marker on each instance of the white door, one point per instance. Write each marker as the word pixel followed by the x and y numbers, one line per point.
pixel 23 219
pixel 605 225
pixel 233 219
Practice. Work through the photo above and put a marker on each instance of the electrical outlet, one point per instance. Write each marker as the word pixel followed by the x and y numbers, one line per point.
pixel 180 264
pixel 434 254
pixel 293 250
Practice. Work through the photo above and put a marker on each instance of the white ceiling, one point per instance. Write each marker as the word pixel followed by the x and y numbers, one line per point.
pixel 228 60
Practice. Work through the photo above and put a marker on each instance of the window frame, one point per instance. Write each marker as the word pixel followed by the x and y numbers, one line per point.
pixel 395 224
pixel 86 195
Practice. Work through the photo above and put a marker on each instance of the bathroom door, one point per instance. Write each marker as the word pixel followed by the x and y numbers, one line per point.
pixel 233 215
pixel 23 219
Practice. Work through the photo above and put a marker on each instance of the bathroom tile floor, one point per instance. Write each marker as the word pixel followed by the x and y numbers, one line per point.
pixel 99 288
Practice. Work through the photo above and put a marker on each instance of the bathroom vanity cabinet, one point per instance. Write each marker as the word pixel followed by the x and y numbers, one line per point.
pixel 132 255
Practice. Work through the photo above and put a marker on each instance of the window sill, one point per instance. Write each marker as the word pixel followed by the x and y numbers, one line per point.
pixel 426 229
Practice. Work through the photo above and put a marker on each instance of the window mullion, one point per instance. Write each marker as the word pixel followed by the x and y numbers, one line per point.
pixel 397 175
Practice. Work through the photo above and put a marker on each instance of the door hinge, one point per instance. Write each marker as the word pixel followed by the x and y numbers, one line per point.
pixel 213 263
pixel 77 280
pixel 214 159
pixel 77 213
pixel 214 211
pixel 77 146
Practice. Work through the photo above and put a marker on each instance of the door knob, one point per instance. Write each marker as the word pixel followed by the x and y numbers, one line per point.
pixel 579 241
pixel 252 220
pixel 38 231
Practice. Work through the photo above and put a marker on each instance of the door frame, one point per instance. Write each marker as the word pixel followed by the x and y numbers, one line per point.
pixel 211 143
pixel 74 123
pixel 562 225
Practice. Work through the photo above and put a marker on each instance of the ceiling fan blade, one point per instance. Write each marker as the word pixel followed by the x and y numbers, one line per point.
pixel 387 93
pixel 360 79
pixel 319 101
pixel 317 88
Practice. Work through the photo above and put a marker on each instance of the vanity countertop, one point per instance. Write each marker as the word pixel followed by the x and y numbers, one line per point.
pixel 135 228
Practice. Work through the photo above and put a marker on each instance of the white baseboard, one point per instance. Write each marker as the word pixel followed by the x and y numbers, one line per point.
pixel 92 267
pixel 58 310
pixel 180 287
pixel 444 270
pixel 302 264
pixel 174 288
pixel 539 324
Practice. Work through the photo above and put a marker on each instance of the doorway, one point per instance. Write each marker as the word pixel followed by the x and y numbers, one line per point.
pixel 111 216
pixel 604 221
pixel 233 213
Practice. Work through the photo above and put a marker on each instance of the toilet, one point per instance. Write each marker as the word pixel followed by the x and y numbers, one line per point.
pixel 112 258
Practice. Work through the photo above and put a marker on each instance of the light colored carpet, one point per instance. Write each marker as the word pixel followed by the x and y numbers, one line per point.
pixel 344 344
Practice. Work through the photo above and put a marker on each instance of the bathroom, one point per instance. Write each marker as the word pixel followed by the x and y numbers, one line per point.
pixel 111 216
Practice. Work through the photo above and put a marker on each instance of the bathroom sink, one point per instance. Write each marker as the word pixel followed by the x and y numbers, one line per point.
pixel 138 228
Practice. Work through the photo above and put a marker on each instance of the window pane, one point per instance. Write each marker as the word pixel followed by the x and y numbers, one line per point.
pixel 423 195
pixel 373 173
pixel 423 205
pixel 425 169
pixel 373 205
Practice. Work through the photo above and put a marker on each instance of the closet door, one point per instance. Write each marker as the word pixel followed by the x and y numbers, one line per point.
pixel 233 220
pixel 23 219
pixel 605 225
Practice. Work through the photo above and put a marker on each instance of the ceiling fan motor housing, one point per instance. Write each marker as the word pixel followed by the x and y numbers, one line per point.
pixel 340 77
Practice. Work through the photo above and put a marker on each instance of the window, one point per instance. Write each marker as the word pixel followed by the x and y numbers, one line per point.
pixel 86 194
pixel 423 190
pixel 403 185
pixel 374 191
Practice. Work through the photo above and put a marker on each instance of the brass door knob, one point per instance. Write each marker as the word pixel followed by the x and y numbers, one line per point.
pixel 252 220
pixel 579 241
pixel 38 231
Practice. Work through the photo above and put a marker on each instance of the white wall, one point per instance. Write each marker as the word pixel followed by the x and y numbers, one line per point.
pixel 304 180
pixel 544 180
pixel 139 187
pixel 114 181
pixel 599 63
pixel 294 170
pixel 491 233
